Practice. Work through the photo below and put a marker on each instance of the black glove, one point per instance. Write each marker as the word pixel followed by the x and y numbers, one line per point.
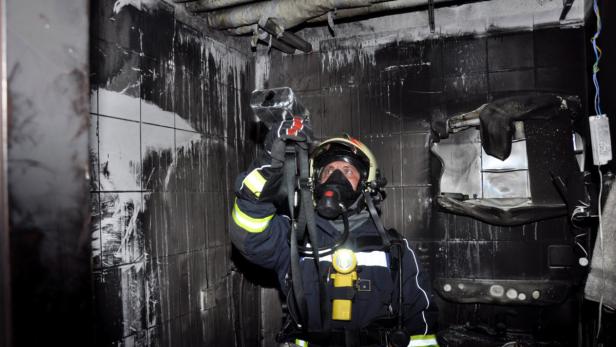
pixel 265 176
pixel 297 130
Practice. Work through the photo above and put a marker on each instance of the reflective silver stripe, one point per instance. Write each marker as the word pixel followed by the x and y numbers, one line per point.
pixel 374 258
pixel 423 313
pixel 431 342
pixel 423 340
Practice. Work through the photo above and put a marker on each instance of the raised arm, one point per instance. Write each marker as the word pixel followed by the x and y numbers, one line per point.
pixel 258 231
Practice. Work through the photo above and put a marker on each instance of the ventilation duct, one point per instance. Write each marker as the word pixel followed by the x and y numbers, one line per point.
pixel 291 13
pixel 286 13
pixel 210 5
pixel 385 6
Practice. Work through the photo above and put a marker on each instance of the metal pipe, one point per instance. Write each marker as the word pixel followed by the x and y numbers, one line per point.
pixel 376 8
pixel 245 30
pixel 296 42
pixel 431 15
pixel 281 46
pixel 286 13
pixel 287 37
pixel 211 5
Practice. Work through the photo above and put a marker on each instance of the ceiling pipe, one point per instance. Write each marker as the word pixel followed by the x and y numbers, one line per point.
pixel 248 29
pixel 286 13
pixel 277 16
pixel 287 37
pixel 212 5
pixel 355 12
pixel 377 8
pixel 281 46
pixel 271 41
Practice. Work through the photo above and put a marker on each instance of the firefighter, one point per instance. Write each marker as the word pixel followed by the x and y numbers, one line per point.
pixel 355 299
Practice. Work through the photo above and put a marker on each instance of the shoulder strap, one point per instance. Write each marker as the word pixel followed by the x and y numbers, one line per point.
pixel 377 219
pixel 296 277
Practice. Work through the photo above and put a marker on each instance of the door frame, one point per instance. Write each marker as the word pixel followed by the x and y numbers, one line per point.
pixel 5 270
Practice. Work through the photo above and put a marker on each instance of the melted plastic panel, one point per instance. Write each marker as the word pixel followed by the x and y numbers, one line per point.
pixel 461 155
pixel 468 170
pixel 171 127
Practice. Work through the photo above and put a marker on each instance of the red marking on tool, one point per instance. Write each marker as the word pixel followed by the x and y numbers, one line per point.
pixel 329 193
pixel 297 125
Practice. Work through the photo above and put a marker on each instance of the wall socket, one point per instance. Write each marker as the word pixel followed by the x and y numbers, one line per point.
pixel 600 138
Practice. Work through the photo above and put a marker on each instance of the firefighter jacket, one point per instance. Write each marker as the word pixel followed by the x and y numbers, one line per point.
pixel 261 235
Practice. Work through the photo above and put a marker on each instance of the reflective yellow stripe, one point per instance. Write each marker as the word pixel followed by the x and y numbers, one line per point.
pixel 301 343
pixel 423 340
pixel 255 182
pixel 248 223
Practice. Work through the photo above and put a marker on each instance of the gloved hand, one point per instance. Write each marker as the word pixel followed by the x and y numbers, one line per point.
pixel 297 129
pixel 265 176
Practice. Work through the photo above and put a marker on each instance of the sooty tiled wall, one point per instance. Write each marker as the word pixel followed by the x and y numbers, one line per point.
pixel 170 128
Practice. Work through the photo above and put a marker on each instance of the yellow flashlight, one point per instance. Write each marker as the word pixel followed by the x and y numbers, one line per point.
pixel 345 263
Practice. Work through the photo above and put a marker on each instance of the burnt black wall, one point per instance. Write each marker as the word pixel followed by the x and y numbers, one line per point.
pixel 387 93
pixel 170 128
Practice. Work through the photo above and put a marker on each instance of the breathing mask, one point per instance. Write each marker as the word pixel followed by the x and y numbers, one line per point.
pixel 335 195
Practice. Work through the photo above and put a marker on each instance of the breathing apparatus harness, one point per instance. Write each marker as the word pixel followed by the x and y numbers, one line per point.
pixel 281 105
pixel 299 173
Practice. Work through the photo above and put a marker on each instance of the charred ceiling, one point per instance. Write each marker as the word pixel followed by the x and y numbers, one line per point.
pixel 269 22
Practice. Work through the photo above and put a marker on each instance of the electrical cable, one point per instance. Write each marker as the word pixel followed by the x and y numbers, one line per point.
pixel 595 70
pixel 600 245
pixel 582 248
